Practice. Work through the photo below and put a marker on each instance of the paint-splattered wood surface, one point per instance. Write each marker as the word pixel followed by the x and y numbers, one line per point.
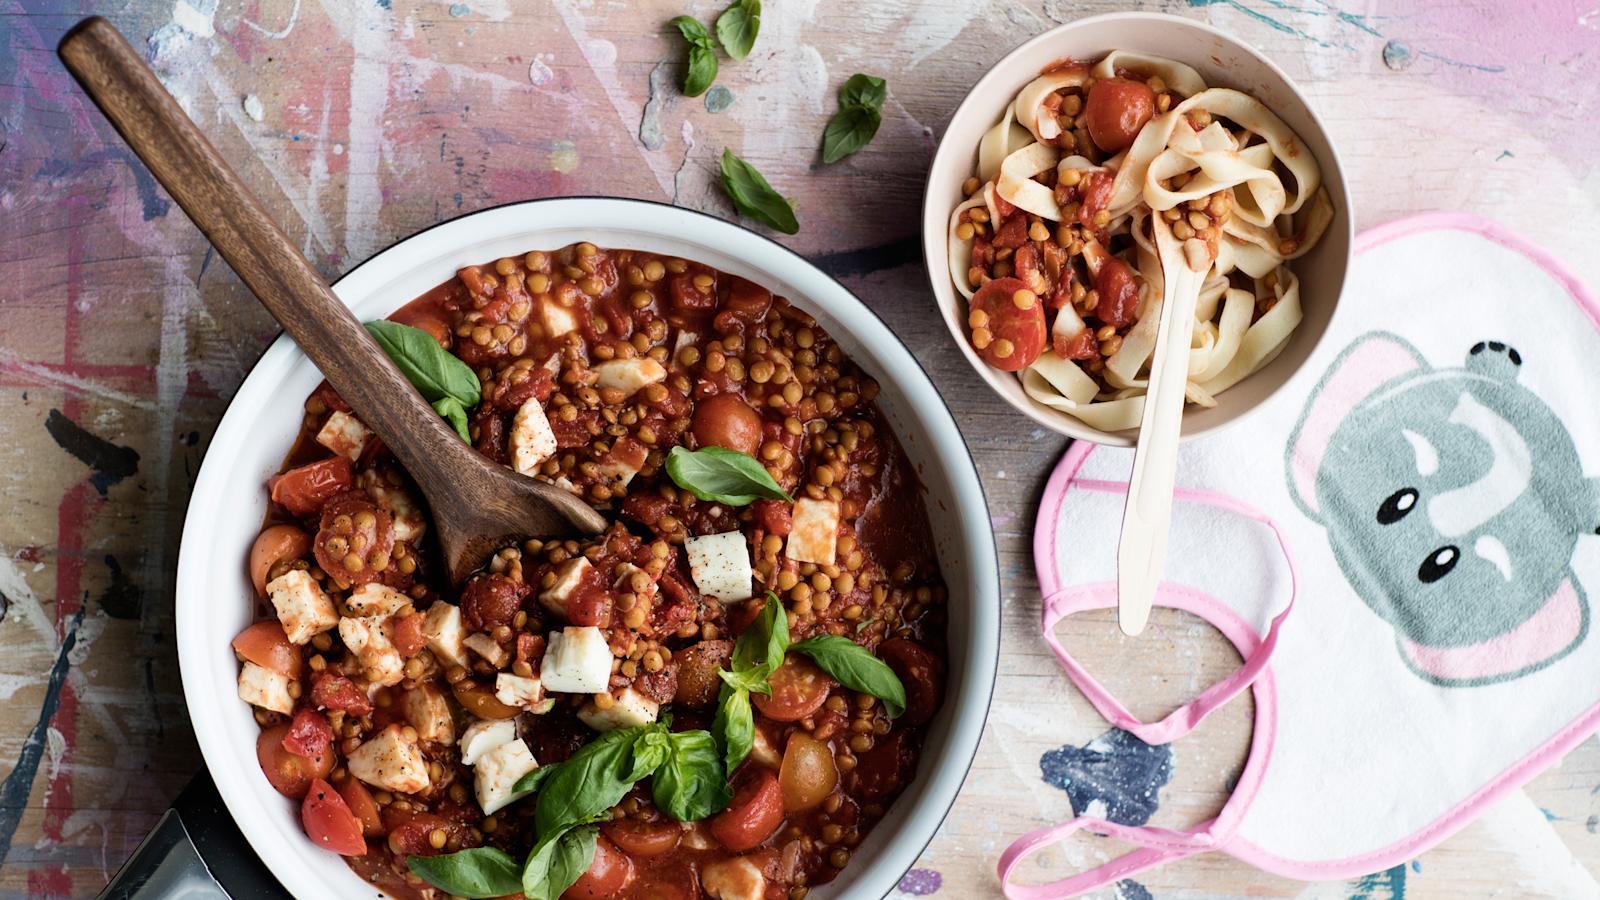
pixel 360 121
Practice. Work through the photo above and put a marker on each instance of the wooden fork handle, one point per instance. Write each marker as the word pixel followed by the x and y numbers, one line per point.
pixel 116 78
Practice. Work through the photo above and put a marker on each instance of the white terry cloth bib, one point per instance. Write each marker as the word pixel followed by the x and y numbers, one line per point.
pixel 1430 473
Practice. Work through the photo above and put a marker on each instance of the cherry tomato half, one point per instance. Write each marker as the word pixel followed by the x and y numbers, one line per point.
pixel 1119 293
pixel 1007 322
pixel 266 645
pixel 1116 109
pixel 808 774
pixel 698 664
pixel 275 542
pixel 359 799
pixel 608 874
pixel 727 421
pixel 303 490
pixel 290 775
pixel 329 822
pixel 755 812
pixel 799 689
pixel 643 838
pixel 355 539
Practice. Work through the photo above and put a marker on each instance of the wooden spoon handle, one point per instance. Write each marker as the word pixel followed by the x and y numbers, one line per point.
pixel 155 126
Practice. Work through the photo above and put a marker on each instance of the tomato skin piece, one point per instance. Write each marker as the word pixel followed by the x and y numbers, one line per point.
pixel 1115 111
pixel 267 645
pixel 333 691
pixel 755 812
pixel 799 689
pixel 290 775
pixel 727 421
pixel 637 838
pixel 1007 336
pixel 305 489
pixel 275 542
pixel 408 636
pixel 361 803
pixel 309 735
pixel 329 822
pixel 689 297
pixel 1119 293
pixel 608 874
pixel 886 768
pixel 920 673
pixel 775 517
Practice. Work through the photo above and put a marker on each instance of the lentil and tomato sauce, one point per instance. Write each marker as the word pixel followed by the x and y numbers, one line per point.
pixel 376 684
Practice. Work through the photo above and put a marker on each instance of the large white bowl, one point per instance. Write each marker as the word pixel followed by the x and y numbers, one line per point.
pixel 1224 62
pixel 215 598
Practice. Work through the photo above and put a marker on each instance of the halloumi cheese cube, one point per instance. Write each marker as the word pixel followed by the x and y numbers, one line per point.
pixel 557 319
pixel 815 535
pixel 515 690
pixel 344 434
pixel 441 625
pixel 374 599
pixel 577 660
pixel 628 709
pixel 624 461
pixel 762 751
pixel 720 565
pixel 404 511
pixel 497 771
pixel 259 686
pixel 629 375
pixel 370 644
pixel 488 648
pixel 531 441
pixel 425 708
pixel 570 576
pixel 736 878
pixel 390 762
pixel 484 735
pixel 302 606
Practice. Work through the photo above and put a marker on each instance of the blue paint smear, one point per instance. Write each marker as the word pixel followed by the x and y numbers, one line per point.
pixel 1324 8
pixel 1124 774
pixel 1397 55
pixel 14 791
pixel 1416 865
pixel 386 4
pixel 921 882
pixel 1128 889
pixel 1390 884
pixel 718 99
pixel 152 204
pixel 1504 154
pixel 459 9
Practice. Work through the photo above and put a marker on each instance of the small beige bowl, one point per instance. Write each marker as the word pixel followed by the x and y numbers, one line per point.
pixel 1223 62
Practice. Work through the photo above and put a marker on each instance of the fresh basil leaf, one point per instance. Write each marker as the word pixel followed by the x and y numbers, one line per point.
pixel 734 725
pixel 737 27
pixel 588 783
pixel 700 73
pixel 449 409
pixel 856 668
pixel 691 783
pixel 429 367
pixel 760 647
pixel 557 861
pixel 754 197
pixel 863 90
pixel 749 680
pixel 849 130
pixel 723 476
pixel 531 782
pixel 693 32
pixel 479 872
pixel 650 751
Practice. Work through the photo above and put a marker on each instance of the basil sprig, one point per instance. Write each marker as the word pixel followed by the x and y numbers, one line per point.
pixel 557 862
pixel 737 27
pixel 723 476
pixel 754 197
pixel 479 872
pixel 702 68
pixel 757 653
pixel 854 125
pixel 442 379
pixel 856 668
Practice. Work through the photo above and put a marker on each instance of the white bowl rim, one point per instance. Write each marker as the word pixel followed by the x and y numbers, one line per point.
pixel 941 785
pixel 1062 423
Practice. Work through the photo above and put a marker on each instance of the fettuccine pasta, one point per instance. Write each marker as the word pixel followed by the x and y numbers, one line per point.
pixel 1053 246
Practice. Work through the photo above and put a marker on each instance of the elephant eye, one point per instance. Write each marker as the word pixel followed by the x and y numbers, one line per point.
pixel 1397 506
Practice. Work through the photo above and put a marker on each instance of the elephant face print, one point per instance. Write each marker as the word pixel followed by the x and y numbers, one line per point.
pixel 1453 500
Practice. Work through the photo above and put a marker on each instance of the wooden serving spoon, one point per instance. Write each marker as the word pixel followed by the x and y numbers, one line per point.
pixel 1147 517
pixel 478 506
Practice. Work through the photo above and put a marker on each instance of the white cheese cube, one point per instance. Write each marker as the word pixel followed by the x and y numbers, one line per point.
pixel 344 434
pixel 486 647
pixel 403 509
pixel 627 581
pixel 497 772
pixel 624 461
pixel 577 660
pixel 815 535
pixel 425 708
pixel 629 375
pixel 762 751
pixel 720 565
pixel 441 625
pixel 685 338
pixel 303 607
pixel 628 709
pixel 390 762
pixel 569 578
pixel 531 440
pixel 515 690
pixel 484 735
pixel 374 599
pixel 370 644
pixel 557 319
pixel 265 688
pixel 736 878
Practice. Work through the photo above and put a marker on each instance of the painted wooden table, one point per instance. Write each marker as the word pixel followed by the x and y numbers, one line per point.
pixel 360 121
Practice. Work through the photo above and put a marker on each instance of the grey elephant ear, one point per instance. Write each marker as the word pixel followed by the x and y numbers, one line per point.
pixel 1371 361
